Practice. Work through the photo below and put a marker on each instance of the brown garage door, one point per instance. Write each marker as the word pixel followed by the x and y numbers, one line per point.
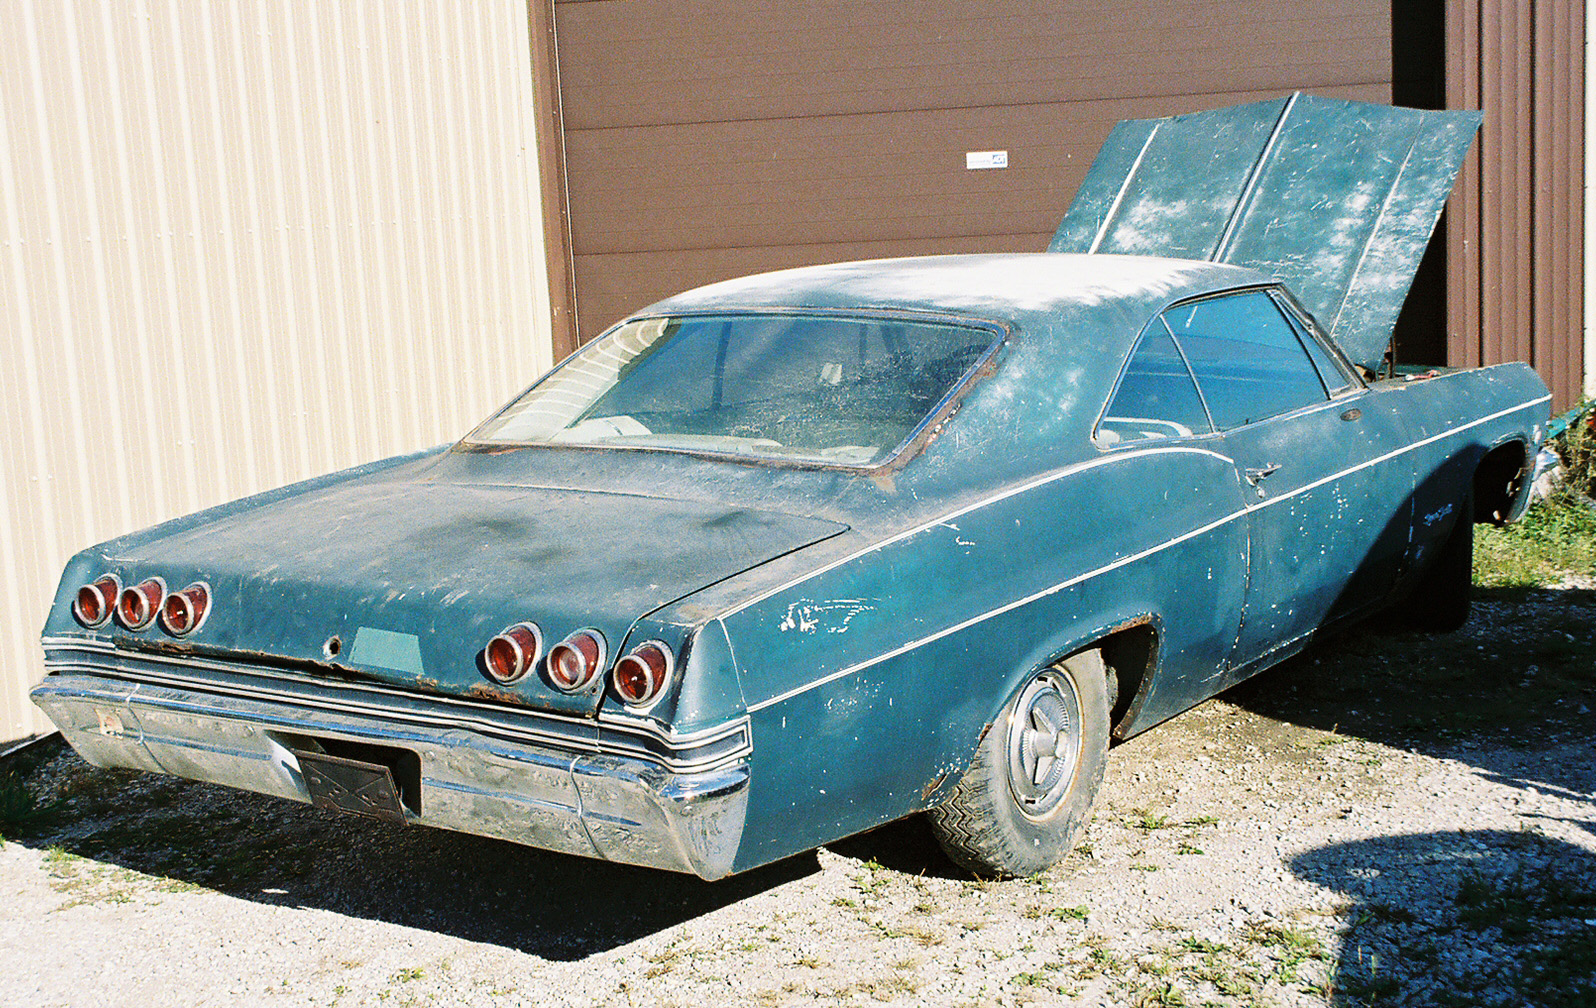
pixel 706 140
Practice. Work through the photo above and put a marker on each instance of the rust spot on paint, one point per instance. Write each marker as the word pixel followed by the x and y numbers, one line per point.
pixel 482 691
pixel 169 647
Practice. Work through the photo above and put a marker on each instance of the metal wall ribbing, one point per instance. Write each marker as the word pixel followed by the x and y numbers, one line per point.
pixel 242 244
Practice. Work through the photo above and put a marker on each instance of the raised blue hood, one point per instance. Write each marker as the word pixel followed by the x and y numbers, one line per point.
pixel 1336 198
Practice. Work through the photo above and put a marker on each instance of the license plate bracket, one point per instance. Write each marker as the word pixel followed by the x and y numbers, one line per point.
pixel 353 786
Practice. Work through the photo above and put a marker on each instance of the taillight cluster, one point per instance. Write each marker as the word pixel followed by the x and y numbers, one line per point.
pixel 641 675
pixel 137 606
pixel 574 663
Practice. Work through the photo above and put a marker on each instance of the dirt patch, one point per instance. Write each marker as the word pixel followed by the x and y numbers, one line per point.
pixel 1388 819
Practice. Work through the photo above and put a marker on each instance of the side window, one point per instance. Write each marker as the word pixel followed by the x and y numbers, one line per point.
pixel 1336 377
pixel 1246 356
pixel 1156 397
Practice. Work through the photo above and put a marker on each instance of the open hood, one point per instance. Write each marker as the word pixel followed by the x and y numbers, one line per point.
pixel 1336 198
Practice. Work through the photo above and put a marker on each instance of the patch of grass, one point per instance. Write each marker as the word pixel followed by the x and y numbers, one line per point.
pixel 1557 536
pixel 667 959
pixel 1149 821
pixel 1165 995
pixel 1392 914
pixel 875 880
pixel 925 937
pixel 1552 541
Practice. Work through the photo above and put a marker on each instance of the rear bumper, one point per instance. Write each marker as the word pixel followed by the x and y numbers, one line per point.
pixel 620 791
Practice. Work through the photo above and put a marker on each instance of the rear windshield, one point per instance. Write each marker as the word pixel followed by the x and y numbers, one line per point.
pixel 838 390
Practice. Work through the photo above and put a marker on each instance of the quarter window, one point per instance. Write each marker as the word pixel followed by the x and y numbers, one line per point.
pixel 1156 397
pixel 1249 363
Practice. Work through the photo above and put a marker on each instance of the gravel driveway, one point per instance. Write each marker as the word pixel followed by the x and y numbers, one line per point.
pixel 1386 820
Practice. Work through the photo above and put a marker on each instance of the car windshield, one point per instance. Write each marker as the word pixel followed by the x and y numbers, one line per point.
pixel 839 390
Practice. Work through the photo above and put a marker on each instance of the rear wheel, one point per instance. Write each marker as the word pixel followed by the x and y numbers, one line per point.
pixel 1030 788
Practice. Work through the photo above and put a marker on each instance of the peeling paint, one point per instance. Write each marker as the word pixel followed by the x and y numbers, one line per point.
pixel 836 614
pixel 1436 515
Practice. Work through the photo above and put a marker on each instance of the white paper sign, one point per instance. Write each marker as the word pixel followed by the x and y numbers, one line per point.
pixel 986 159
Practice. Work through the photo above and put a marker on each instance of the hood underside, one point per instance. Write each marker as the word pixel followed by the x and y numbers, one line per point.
pixel 1336 198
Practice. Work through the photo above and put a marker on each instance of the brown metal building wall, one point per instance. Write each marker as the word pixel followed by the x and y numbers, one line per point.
pixel 1516 222
pixel 711 139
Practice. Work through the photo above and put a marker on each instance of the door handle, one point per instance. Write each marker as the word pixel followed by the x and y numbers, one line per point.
pixel 1257 476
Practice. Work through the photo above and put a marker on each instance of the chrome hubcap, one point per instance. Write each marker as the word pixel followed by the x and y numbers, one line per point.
pixel 1044 743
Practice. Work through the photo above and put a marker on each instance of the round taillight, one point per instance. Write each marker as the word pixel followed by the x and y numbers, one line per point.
pixel 138 604
pixel 96 601
pixel 576 660
pixel 511 654
pixel 184 611
pixel 641 675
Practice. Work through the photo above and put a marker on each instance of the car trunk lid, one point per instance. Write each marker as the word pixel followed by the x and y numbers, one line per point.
pixel 1336 198
pixel 413 578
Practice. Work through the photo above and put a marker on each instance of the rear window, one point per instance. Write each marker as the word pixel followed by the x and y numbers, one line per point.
pixel 818 388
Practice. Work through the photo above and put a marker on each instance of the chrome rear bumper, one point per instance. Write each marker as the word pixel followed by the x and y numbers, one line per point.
pixel 619 791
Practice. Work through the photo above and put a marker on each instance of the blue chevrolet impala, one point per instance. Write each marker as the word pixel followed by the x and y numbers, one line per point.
pixel 782 558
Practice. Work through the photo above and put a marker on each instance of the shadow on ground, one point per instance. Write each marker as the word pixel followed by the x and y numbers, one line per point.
pixel 273 851
pixel 1519 676
pixel 1462 919
pixel 906 846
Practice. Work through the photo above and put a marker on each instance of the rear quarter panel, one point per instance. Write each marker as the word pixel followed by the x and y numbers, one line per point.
pixel 869 684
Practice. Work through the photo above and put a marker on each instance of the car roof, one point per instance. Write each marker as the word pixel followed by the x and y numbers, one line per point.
pixel 1009 288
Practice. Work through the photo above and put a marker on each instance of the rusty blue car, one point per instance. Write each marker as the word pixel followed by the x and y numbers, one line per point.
pixel 786 557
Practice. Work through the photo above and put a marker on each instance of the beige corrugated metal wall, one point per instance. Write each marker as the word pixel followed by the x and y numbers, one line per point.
pixel 243 243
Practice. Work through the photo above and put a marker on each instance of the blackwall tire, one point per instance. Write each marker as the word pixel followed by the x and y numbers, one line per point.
pixel 1030 787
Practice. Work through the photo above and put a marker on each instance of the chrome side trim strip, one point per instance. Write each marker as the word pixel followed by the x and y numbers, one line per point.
pixel 1106 568
pixel 1000 610
pixel 961 512
pixel 1400 451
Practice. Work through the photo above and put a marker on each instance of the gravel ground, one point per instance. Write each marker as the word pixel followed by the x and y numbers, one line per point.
pixel 1387 820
